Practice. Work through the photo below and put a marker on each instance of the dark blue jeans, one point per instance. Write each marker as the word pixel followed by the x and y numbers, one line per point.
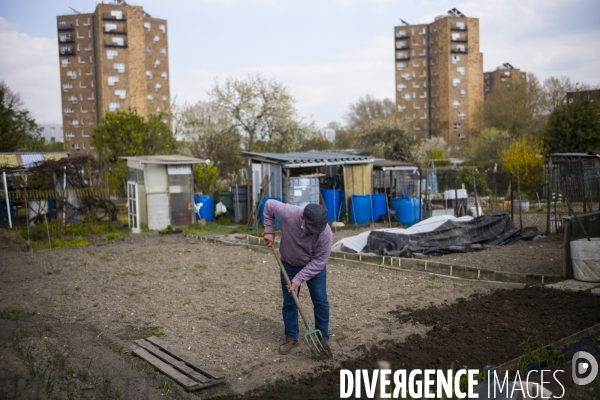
pixel 317 287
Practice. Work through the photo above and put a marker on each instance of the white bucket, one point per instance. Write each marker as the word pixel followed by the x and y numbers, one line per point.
pixel 585 256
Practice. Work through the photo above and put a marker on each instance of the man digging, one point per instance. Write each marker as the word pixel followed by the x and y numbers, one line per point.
pixel 304 250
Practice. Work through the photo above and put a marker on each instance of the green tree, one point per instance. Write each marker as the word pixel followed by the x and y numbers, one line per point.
pixel 387 138
pixel 263 111
pixel 368 110
pixel 209 133
pixel 466 176
pixel 524 154
pixel 434 148
pixel 18 130
pixel 490 144
pixel 573 127
pixel 126 133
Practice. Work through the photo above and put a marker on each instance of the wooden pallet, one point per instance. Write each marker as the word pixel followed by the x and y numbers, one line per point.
pixel 189 373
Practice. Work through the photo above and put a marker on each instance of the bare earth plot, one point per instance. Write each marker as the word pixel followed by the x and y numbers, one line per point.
pixel 219 304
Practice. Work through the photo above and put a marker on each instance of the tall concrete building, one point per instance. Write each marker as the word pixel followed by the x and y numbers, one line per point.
pixel 506 74
pixel 439 77
pixel 114 59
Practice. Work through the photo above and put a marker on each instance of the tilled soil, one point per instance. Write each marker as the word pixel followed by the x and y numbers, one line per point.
pixel 222 305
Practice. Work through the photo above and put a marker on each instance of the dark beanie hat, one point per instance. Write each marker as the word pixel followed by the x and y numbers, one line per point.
pixel 315 217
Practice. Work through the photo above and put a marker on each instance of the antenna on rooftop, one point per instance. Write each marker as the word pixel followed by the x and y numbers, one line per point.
pixel 404 22
pixel 455 13
pixel 74 10
pixel 508 66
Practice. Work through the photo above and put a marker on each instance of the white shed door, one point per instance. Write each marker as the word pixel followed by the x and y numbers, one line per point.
pixel 158 211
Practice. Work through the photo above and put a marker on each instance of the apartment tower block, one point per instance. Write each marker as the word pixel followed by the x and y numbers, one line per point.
pixel 504 75
pixel 439 77
pixel 114 59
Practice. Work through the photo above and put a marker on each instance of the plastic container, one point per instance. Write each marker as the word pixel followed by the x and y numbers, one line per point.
pixel 379 206
pixel 207 211
pixel 333 203
pixel 405 210
pixel 261 214
pixel 360 209
pixel 585 257
pixel 303 191
pixel 417 210
pixel 227 199
pixel 239 195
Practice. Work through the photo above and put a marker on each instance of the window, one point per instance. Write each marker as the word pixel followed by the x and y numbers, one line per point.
pixel 148 50
pixel 456 125
pixel 65 62
pixel 147 25
pixel 400 33
pixel 68 110
pixel 74 122
pixel 149 74
pixel 155 39
pixel 111 53
pixel 84 134
pixel 406 76
pixel 119 41
pixel 455 59
pixel 460 25
pixel 423 96
pixel 401 55
pixel 119 67
pixel 112 80
pixel 462 92
pixel 416 106
pixel 150 97
pixel 461 114
pixel 462 136
pixel 456 36
pixel 157 86
pixel 455 103
pixel 121 93
pixel 72 74
pixel 64 37
pixel 461 47
pixel 163 51
pixel 163 74
pixel 157 110
pixel 79 60
pixel 118 14
pixel 87 23
pixel 455 81
pixel 70 135
pixel 461 70
pixel 400 44
pixel 83 110
pixel 75 146
pixel 91 96
pixel 88 47
pixel 73 99
pixel 156 63
pixel 162 28
pixel 110 27
pixel 401 107
pixel 65 50
pixel 506 73
pixel 401 86
pixel 81 85
pixel 415 85
pixel 67 87
pixel 406 96
pixel 165 97
pixel 112 107
pixel 401 65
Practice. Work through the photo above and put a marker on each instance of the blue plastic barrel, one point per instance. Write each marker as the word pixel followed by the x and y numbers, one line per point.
pixel 404 210
pixel 379 206
pixel 343 200
pixel 207 211
pixel 360 209
pixel 261 213
pixel 332 200
pixel 417 211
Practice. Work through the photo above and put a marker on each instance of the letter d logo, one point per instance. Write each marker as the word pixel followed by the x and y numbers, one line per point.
pixel 582 368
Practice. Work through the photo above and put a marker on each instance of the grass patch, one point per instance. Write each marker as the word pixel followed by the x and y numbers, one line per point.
pixel 200 266
pixel 131 293
pixel 106 258
pixel 16 313
pixel 60 244
pixel 132 273
pixel 153 333
pixel 217 228
pixel 111 237
pixel 536 351
pixel 95 305
pixel 200 290
pixel 56 271
pixel 231 310
pixel 65 293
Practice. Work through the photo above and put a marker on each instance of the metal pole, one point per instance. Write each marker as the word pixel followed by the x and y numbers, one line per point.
pixel 520 204
pixel 7 201
pixel 475 192
pixel 66 197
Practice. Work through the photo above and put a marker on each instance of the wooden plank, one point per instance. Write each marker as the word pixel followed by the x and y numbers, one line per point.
pixel 188 360
pixel 185 381
pixel 181 366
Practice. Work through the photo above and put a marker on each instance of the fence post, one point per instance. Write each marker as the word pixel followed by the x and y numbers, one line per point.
pixel 475 191
pixel 548 194
pixel 512 211
pixel 519 195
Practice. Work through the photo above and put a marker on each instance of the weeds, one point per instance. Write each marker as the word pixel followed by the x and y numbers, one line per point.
pixel 536 351
pixel 114 236
pixel 56 271
pixel 200 290
pixel 131 293
pixel 16 313
pixel 106 258
pixel 200 266
pixel 231 310
pixel 154 333
pixel 65 293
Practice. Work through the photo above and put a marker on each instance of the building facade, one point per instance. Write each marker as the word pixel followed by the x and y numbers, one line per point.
pixel 115 59
pixel 506 74
pixel 439 77
pixel 52 133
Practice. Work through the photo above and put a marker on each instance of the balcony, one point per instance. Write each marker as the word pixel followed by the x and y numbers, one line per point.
pixel 458 40
pixel 456 28
pixel 458 51
pixel 67 52
pixel 65 26
pixel 109 17
pixel 112 44
pixel 402 58
pixel 118 31
pixel 407 47
pixel 403 37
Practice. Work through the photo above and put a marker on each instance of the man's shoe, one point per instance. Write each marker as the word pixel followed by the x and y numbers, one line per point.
pixel 287 347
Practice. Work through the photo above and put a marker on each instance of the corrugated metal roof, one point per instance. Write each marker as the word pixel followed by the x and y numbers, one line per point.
pixel 31 160
pixel 55 156
pixel 9 160
pixel 315 158
pixel 170 159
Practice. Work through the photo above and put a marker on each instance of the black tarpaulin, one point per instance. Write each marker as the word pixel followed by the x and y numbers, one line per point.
pixel 450 237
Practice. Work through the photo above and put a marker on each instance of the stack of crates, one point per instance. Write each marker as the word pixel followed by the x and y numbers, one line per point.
pixel 302 191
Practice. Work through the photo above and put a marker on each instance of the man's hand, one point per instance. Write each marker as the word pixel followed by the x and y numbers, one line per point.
pixel 269 239
pixel 293 288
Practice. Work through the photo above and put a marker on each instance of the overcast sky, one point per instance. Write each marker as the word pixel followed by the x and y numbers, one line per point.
pixel 328 52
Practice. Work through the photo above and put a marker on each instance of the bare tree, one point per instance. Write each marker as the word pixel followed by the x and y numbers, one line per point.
pixel 368 109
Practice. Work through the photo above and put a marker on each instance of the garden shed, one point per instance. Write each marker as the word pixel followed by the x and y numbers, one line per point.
pixel 160 191
pixel 296 178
